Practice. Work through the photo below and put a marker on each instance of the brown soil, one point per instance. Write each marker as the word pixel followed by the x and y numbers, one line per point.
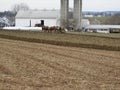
pixel 35 66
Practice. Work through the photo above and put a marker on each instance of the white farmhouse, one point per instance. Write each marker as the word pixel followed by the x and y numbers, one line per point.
pixel 32 17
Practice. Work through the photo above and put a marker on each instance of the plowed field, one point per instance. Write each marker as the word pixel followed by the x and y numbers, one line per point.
pixel 35 66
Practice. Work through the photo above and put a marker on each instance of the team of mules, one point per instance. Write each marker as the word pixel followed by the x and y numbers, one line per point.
pixel 38 25
pixel 51 28
pixel 54 29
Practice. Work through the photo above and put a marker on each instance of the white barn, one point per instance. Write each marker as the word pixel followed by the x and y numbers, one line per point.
pixel 32 17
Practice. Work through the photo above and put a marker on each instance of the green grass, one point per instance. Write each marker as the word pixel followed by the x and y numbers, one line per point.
pixel 112 35
pixel 102 19
pixel 88 40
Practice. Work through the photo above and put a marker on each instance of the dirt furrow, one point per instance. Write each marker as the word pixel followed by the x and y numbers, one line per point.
pixel 36 66
pixel 62 52
pixel 52 65
pixel 77 50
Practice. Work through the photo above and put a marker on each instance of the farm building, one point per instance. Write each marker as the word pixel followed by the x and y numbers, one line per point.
pixel 34 17
pixel 85 23
pixel 103 28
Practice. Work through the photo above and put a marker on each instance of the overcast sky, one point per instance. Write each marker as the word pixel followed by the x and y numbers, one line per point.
pixel 88 5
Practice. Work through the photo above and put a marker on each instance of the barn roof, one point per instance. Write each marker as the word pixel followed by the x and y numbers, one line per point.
pixel 37 14
pixel 103 27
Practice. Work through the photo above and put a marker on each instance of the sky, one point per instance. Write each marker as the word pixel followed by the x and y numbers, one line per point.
pixel 88 5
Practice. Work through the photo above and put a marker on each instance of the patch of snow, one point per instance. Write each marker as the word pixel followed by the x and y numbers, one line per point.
pixel 22 28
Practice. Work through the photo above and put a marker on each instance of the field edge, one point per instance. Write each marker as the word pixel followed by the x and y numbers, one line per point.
pixel 61 43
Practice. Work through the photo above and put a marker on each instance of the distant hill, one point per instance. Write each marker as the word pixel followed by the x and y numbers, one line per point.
pixel 103 13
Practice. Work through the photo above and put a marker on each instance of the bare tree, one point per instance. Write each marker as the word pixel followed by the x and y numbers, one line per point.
pixel 21 6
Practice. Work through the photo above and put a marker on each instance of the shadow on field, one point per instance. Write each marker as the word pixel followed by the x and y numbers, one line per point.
pixel 62 43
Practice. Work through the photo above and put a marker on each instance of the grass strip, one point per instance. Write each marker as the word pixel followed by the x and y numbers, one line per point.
pixel 61 43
